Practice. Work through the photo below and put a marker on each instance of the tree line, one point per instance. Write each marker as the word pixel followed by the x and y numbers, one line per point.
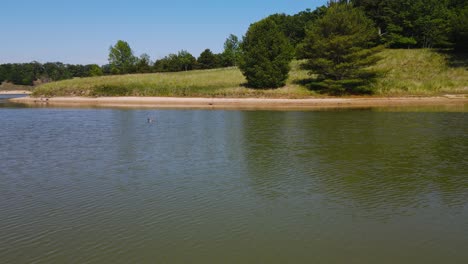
pixel 35 72
pixel 121 61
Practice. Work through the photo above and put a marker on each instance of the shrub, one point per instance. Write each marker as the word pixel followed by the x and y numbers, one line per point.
pixel 265 55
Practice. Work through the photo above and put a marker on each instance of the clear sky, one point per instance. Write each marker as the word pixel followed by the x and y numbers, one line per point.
pixel 81 31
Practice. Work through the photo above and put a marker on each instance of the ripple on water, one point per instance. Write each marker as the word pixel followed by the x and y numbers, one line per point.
pixel 104 186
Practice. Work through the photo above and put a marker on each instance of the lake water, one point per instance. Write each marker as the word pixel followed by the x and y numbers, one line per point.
pixel 341 186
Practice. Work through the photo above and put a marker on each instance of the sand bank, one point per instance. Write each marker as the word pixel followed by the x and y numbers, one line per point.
pixel 15 92
pixel 243 103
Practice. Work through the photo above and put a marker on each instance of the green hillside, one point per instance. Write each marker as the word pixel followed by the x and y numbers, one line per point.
pixel 403 72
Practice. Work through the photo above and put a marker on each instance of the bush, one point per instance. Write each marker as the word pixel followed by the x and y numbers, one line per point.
pixel 265 55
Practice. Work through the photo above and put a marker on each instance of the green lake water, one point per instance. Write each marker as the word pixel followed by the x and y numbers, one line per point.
pixel 197 186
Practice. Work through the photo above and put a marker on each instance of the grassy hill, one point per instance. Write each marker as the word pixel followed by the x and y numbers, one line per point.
pixel 404 72
pixel 420 72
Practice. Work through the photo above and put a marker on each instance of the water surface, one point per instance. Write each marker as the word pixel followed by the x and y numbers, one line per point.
pixel 348 186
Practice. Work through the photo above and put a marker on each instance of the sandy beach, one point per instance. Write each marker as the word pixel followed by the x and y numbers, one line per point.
pixel 15 92
pixel 243 103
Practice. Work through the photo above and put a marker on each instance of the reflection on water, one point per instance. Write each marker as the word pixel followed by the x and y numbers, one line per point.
pixel 4 100
pixel 88 185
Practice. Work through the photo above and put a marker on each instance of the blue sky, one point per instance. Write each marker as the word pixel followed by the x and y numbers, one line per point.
pixel 81 31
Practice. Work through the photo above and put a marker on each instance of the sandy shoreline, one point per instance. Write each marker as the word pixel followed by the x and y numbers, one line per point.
pixel 15 92
pixel 243 103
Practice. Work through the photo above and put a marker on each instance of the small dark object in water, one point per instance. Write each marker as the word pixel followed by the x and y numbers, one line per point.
pixel 150 120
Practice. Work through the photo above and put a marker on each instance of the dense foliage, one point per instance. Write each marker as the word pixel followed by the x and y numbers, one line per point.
pixel 182 61
pixel 339 47
pixel 459 27
pixel 230 55
pixel 208 60
pixel 419 23
pixel 29 73
pixel 294 26
pixel 266 54
pixel 121 58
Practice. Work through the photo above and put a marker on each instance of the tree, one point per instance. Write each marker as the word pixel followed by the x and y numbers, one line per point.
pixel 3 75
pixel 293 27
pixel 265 55
pixel 182 61
pixel 459 28
pixel 94 70
pixel 143 64
pixel 207 60
pixel 186 60
pixel 231 51
pixel 339 48
pixel 410 23
pixel 121 58
pixel 55 71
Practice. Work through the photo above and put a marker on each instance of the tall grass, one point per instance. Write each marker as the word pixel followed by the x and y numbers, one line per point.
pixel 418 72
pixel 404 72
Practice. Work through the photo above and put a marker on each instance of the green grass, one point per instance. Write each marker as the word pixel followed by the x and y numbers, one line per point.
pixel 418 72
pixel 405 72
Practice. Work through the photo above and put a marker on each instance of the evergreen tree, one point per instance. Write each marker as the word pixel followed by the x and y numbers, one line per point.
pixel 207 60
pixel 266 55
pixel 293 26
pixel 339 47
pixel 410 23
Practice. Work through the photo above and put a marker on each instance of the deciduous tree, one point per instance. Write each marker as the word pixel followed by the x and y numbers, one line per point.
pixel 121 58
pixel 231 51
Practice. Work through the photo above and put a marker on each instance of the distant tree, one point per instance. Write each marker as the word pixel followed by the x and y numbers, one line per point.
pixel 410 23
pixel 293 26
pixel 143 64
pixel 55 71
pixel 78 70
pixel 182 61
pixel 459 28
pixel 339 48
pixel 161 65
pixel 186 60
pixel 167 64
pixel 231 51
pixel 207 60
pixel 21 73
pixel 265 55
pixel 121 58
pixel 106 69
pixel 2 74
pixel 94 70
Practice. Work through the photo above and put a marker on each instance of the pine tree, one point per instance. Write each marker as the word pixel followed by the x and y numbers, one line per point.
pixel 339 48
pixel 265 55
